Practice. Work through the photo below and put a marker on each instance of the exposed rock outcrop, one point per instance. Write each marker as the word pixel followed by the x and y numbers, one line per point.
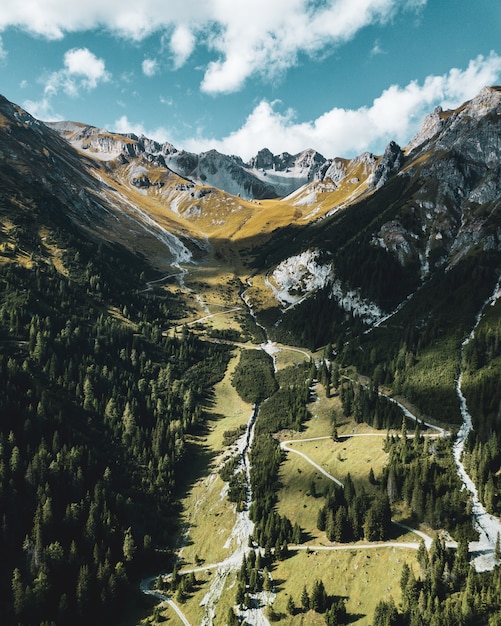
pixel 391 162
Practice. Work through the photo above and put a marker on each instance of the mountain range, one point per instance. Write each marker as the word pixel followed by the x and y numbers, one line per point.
pixel 368 239
pixel 385 265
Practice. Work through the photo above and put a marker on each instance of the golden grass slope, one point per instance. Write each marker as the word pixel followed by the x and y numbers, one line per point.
pixel 206 212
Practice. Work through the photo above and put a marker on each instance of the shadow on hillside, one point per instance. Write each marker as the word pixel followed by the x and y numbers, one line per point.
pixel 197 464
pixel 398 531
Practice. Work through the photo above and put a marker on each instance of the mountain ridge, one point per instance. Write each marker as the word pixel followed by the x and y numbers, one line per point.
pixel 246 179
pixel 128 291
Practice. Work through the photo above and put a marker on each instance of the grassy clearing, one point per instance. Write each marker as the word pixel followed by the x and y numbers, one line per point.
pixel 362 576
pixel 299 501
pixel 290 356
pixel 353 455
pixel 229 410
pixel 207 515
pixel 206 512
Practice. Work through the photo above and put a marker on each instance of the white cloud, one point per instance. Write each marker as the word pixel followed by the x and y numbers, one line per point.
pixel 182 44
pixel 124 125
pixel 82 70
pixel 396 114
pixel 262 37
pixel 82 63
pixel 377 49
pixel 150 67
pixel 267 37
pixel 42 110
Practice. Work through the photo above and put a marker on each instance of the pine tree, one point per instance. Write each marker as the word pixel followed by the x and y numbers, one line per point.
pixel 232 619
pixel 305 599
pixel 18 593
pixel 129 545
pixel 318 599
pixel 372 478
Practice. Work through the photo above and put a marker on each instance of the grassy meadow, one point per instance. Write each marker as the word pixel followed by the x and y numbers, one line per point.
pixel 363 577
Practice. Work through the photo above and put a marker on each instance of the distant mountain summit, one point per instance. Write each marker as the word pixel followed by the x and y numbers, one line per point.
pixel 264 176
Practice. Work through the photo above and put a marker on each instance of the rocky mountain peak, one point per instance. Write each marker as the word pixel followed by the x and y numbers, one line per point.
pixel 488 100
pixel 263 160
pixel 391 162
pixel 432 124
pixel 447 127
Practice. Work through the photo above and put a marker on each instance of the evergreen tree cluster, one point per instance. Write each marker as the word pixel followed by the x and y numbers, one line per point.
pixel 253 377
pixel 252 578
pixel 480 385
pixel 95 402
pixel 332 607
pixel 446 590
pixel 271 530
pixel 365 404
pixel 421 472
pixel 286 408
pixel 236 479
pixel 350 516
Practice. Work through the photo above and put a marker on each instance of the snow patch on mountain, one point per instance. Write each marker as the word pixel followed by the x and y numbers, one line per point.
pixel 351 302
pixel 298 276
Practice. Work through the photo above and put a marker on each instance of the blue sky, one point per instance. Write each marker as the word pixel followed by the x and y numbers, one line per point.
pixel 340 76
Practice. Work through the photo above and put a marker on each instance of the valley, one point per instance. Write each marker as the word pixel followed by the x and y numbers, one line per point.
pixel 224 406
pixel 212 546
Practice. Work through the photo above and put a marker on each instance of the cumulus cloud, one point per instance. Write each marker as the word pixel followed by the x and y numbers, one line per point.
pixel 396 114
pixel 246 38
pixel 182 44
pixel 124 125
pixel 82 70
pixel 42 110
pixel 150 67
pixel 82 63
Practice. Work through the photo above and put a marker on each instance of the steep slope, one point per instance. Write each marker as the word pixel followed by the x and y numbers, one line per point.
pixel 442 206
pixel 95 400
pixel 40 170
pixel 420 251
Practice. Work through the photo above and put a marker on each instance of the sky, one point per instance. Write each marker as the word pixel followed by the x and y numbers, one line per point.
pixel 339 76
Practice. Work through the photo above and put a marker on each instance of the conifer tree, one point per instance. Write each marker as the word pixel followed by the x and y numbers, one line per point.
pixel 305 599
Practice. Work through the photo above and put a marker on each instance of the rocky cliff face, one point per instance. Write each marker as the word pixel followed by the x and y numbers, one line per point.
pixel 456 160
pixel 428 207
pixel 452 169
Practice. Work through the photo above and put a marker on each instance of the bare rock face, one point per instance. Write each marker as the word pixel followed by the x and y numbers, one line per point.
pixel 454 165
pixel 263 160
pixel 432 124
pixel 432 205
pixel 390 163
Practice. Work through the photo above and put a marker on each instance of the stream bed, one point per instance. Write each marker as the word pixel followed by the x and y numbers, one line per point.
pixel 488 526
